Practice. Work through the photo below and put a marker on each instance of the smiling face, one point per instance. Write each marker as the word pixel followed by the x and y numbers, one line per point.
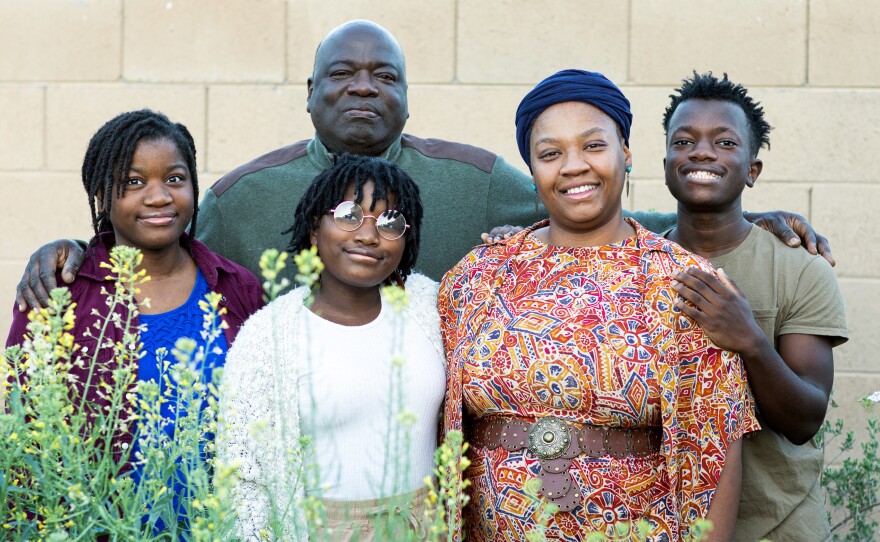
pixel 357 93
pixel 708 162
pixel 158 202
pixel 579 163
pixel 359 259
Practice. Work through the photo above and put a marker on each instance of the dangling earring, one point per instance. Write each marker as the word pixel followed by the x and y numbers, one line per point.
pixel 535 188
pixel 628 170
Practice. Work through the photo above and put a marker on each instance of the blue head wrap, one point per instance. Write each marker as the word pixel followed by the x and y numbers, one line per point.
pixel 571 86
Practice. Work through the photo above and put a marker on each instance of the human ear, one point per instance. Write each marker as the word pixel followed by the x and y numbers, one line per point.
pixel 309 86
pixel 754 171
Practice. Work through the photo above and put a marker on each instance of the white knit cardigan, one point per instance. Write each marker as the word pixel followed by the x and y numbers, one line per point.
pixel 259 409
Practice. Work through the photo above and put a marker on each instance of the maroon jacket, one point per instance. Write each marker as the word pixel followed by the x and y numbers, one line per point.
pixel 241 291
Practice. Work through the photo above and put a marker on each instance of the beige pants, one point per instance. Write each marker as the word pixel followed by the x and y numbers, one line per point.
pixel 374 520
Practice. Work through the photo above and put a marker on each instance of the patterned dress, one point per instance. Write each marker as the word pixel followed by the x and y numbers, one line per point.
pixel 590 335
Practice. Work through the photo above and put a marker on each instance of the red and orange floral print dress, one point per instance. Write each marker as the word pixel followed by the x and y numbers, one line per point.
pixel 589 335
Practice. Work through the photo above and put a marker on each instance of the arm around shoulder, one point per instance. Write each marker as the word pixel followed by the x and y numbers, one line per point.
pixel 511 198
pixel 209 228
pixel 653 221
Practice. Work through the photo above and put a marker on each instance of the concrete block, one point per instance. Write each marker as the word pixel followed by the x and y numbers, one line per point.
pixel 425 30
pixel 75 112
pixel 245 122
pixel 476 115
pixel 766 41
pixel 770 196
pixel 10 274
pixel 60 40
pixel 843 33
pixel 518 41
pixel 21 132
pixel 821 134
pixel 862 299
pixel 207 180
pixel 651 195
pixel 40 207
pixel 647 142
pixel 847 215
pixel 204 40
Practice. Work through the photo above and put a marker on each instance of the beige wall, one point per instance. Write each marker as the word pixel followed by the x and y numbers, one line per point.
pixel 235 71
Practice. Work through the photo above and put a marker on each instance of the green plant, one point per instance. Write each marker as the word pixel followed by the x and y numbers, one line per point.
pixel 64 474
pixel 852 487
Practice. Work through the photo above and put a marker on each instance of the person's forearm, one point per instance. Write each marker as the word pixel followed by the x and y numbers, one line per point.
pixel 725 502
pixel 789 404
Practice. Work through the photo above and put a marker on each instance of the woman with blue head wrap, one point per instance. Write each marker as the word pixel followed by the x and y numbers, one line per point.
pixel 567 361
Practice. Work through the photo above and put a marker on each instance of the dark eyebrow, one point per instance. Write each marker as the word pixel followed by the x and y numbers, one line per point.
pixel 178 165
pixel 586 133
pixel 690 129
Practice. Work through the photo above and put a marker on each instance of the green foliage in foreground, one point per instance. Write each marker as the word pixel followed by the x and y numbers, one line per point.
pixel 65 474
pixel 852 488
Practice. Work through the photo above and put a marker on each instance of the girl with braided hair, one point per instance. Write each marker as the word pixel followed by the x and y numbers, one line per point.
pixel 322 371
pixel 140 176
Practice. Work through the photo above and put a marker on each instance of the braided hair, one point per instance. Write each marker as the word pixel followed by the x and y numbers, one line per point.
pixel 708 87
pixel 108 159
pixel 328 189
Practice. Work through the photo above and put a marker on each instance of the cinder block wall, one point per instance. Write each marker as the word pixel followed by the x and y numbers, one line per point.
pixel 235 72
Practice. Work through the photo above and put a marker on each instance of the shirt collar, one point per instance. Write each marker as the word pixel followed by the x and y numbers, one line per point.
pixel 323 158
pixel 208 262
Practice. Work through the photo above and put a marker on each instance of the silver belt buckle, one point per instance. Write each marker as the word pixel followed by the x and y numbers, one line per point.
pixel 549 438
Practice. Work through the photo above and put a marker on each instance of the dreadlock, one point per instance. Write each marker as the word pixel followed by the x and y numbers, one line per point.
pixel 349 170
pixel 109 155
pixel 708 87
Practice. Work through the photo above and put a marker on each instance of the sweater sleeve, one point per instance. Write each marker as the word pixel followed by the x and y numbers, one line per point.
pixel 259 426
pixel 511 198
pixel 656 222
pixel 241 405
pixel 210 224
pixel 18 329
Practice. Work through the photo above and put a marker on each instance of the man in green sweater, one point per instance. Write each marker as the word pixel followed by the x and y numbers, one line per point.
pixel 358 104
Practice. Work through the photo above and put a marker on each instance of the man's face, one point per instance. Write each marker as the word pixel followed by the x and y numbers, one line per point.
pixel 708 162
pixel 357 94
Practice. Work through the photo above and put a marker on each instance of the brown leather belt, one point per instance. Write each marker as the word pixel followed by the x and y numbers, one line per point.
pixel 556 442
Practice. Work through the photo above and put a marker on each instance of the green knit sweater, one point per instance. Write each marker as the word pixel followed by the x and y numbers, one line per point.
pixel 465 190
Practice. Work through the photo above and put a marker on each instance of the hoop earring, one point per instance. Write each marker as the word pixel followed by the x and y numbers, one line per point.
pixel 628 170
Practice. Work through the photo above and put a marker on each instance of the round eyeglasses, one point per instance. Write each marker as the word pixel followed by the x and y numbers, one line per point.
pixel 349 216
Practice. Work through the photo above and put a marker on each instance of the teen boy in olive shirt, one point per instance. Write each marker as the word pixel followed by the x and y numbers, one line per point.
pixel 783 314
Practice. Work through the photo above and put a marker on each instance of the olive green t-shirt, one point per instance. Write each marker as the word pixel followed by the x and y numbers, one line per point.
pixel 790 291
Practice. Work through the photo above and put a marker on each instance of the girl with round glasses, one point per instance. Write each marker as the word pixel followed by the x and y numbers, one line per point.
pixel 324 371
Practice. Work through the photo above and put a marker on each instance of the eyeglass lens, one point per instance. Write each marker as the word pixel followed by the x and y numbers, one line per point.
pixel 349 216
